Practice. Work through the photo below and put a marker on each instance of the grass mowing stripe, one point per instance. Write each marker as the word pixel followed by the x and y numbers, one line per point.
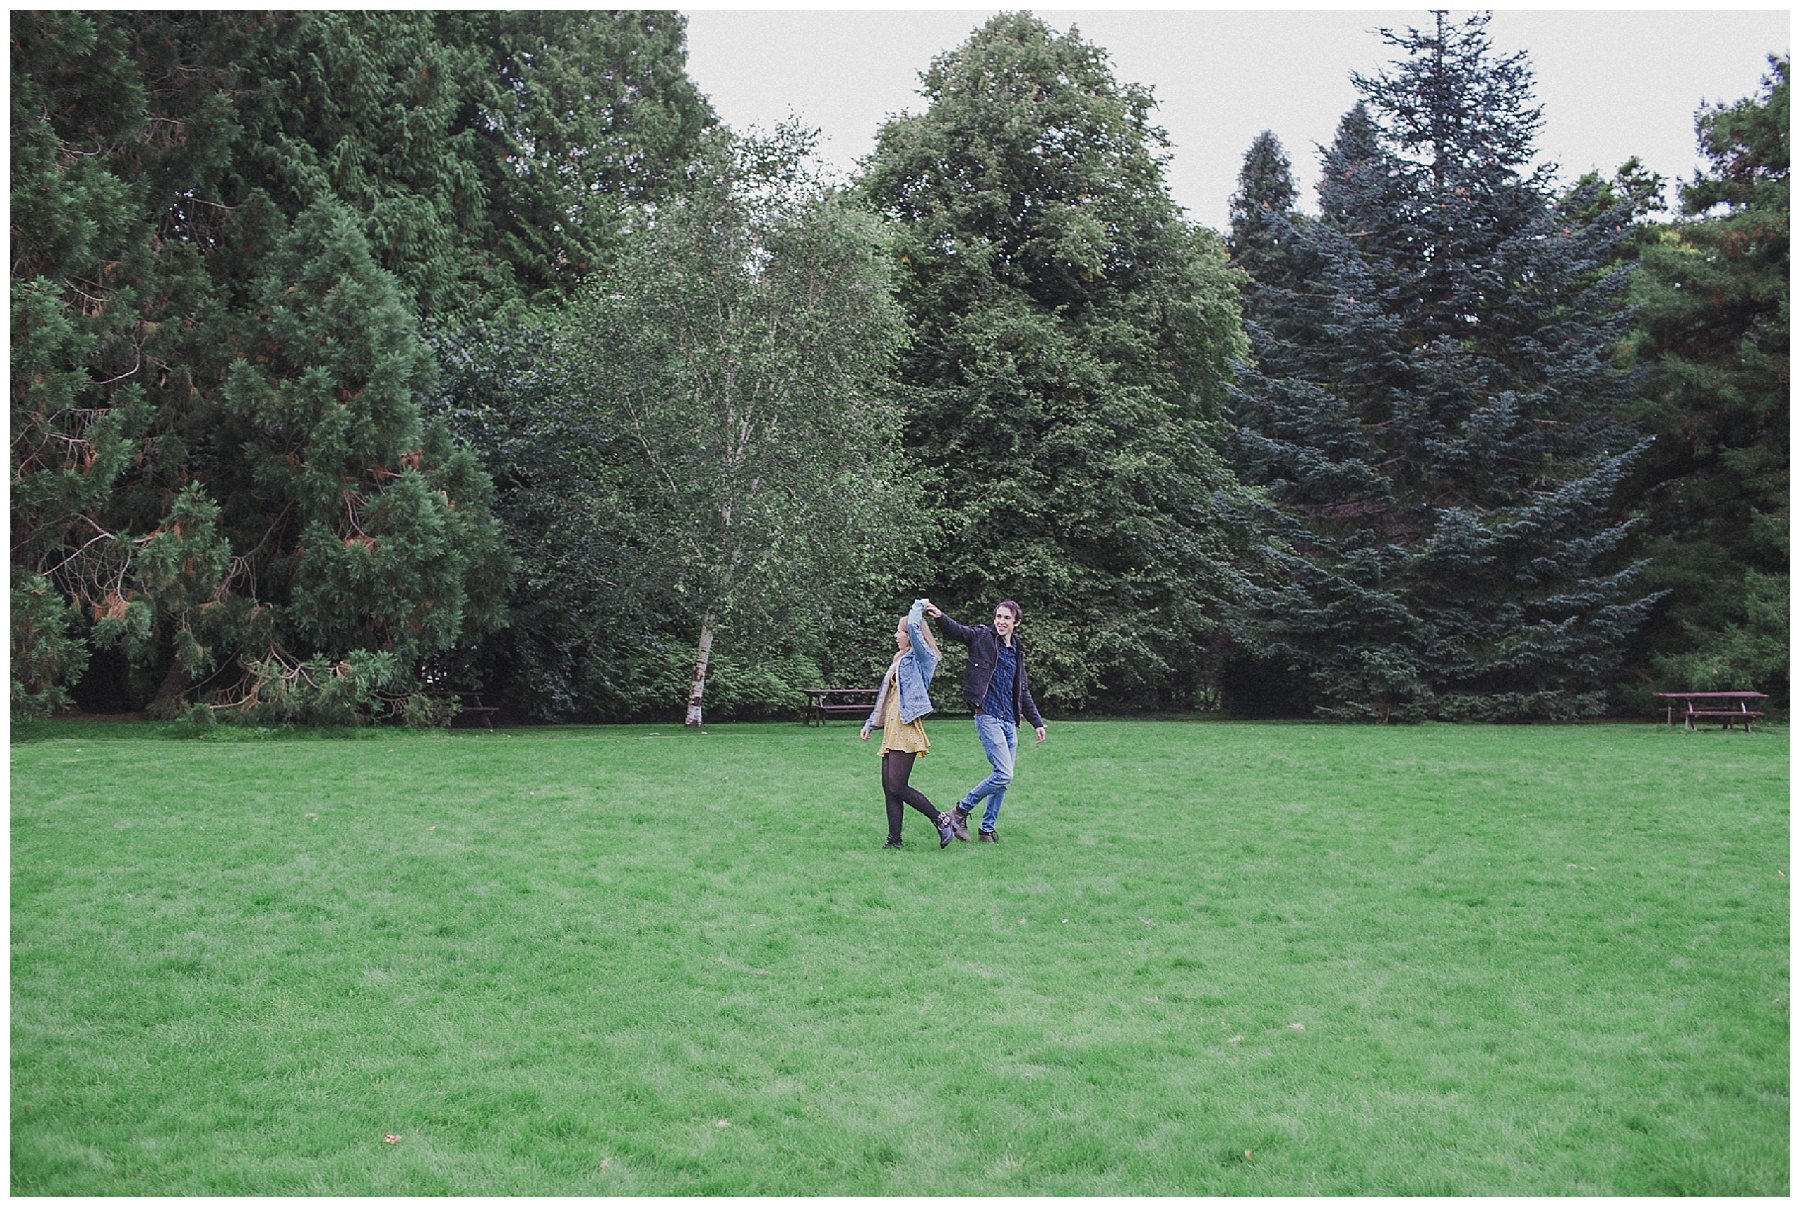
pixel 1440 960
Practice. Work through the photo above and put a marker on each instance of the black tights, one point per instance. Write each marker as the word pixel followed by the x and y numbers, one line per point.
pixel 896 769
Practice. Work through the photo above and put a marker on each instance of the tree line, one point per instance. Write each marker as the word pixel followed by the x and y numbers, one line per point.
pixel 362 360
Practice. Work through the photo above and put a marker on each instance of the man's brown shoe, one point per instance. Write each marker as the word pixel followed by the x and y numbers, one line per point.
pixel 959 823
pixel 989 836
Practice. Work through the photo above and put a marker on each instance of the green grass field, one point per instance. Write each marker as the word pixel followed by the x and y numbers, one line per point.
pixel 1206 958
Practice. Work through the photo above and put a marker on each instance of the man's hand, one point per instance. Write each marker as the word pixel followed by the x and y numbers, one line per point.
pixel 865 733
pixel 1040 733
pixel 931 609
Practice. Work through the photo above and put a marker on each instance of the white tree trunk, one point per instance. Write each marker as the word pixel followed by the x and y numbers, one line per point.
pixel 698 688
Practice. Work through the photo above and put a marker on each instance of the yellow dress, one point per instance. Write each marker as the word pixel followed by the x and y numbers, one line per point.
pixel 907 738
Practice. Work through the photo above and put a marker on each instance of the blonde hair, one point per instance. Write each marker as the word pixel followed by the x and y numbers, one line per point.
pixel 925 632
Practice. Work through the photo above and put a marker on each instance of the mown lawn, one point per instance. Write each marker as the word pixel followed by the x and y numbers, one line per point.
pixel 1206 958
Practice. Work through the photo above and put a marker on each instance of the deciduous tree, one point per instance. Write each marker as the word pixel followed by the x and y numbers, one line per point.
pixel 724 397
pixel 1071 333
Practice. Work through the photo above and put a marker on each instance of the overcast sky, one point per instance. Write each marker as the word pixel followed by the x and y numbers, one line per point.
pixel 1613 83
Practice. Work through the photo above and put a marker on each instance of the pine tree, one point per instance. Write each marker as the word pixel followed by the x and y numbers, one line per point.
pixel 373 531
pixel 1712 327
pixel 1071 334
pixel 164 165
pixel 44 657
pixel 93 293
pixel 1263 215
pixel 1429 416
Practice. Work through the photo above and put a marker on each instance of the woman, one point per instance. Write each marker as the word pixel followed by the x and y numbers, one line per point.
pixel 900 708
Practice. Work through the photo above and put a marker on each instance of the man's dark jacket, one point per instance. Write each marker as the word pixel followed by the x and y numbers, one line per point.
pixel 984 656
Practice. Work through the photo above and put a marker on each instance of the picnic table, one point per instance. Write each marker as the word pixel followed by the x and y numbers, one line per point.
pixel 823 703
pixel 1729 708
pixel 474 710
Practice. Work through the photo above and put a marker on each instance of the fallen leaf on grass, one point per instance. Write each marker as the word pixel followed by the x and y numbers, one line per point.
pixel 1146 922
pixel 312 817
pixel 391 1139
pixel 606 1163
pixel 1247 1155
pixel 722 1124
pixel 1296 1026
pixel 1236 1039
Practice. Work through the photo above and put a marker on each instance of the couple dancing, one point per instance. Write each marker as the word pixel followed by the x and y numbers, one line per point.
pixel 993 685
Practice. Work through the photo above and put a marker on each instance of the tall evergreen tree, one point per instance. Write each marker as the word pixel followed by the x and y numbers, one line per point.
pixel 97 338
pixel 1262 214
pixel 1070 339
pixel 166 398
pixel 375 530
pixel 1712 328
pixel 1429 414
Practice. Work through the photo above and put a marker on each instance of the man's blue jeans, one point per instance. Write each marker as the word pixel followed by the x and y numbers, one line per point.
pixel 1000 739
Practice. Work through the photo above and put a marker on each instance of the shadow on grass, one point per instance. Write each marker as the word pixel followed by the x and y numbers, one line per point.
pixel 97 729
pixel 92 730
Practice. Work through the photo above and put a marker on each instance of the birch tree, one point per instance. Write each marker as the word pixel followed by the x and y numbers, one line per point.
pixel 728 386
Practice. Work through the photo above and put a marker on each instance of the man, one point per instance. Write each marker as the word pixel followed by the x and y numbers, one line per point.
pixel 994 685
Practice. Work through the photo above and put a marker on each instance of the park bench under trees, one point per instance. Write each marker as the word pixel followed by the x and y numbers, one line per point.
pixel 824 703
pixel 471 711
pixel 1728 708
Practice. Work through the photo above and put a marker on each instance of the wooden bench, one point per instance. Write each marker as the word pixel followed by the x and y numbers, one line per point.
pixel 1728 708
pixel 824 703
pixel 474 709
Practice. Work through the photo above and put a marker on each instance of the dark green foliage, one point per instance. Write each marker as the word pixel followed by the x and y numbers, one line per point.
pixel 1266 242
pixel 1712 328
pixel 584 114
pixel 586 637
pixel 493 393
pixel 701 444
pixel 95 322
pixel 227 227
pixel 44 657
pixel 1261 240
pixel 1070 339
pixel 1429 417
pixel 378 534
pixel 489 154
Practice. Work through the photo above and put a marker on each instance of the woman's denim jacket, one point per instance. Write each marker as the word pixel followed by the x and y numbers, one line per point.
pixel 917 665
